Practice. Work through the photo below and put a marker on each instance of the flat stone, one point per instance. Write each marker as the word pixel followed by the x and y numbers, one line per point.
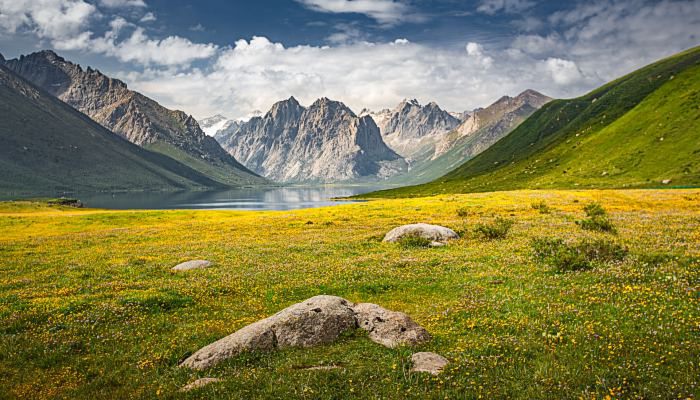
pixel 194 264
pixel 199 383
pixel 389 328
pixel 428 362
pixel 434 233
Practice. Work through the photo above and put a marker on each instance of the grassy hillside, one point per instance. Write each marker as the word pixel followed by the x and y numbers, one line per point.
pixel 103 317
pixel 46 147
pixel 637 131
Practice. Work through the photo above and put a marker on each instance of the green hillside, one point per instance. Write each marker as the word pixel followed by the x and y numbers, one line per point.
pixel 639 131
pixel 47 147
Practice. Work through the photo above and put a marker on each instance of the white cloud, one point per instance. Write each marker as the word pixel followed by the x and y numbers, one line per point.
pixel 388 12
pixel 476 51
pixel 66 25
pixel 148 17
pixel 492 7
pixel 255 73
pixel 563 72
pixel 56 20
pixel 122 3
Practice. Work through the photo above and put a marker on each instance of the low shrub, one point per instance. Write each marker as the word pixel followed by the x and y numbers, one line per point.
pixel 413 241
pixel 463 212
pixel 581 256
pixel 541 206
pixel 597 219
pixel 496 230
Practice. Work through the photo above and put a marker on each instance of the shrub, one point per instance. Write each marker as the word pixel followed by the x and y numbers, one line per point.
pixel 563 257
pixel 542 207
pixel 497 230
pixel 597 220
pixel 463 212
pixel 414 241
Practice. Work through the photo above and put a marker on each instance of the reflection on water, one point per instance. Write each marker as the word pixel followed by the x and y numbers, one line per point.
pixel 282 198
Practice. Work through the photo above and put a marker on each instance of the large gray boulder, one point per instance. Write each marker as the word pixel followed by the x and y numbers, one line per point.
pixel 435 233
pixel 431 363
pixel 194 264
pixel 318 320
pixel 389 328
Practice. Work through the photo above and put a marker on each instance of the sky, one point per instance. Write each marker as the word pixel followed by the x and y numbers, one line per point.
pixel 238 57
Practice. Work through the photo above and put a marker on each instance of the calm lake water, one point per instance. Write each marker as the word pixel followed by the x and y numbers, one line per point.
pixel 279 198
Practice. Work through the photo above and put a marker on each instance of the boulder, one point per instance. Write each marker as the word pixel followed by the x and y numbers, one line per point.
pixel 199 383
pixel 428 362
pixel 194 264
pixel 318 320
pixel 389 328
pixel 434 233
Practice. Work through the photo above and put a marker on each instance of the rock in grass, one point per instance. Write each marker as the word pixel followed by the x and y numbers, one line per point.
pixel 194 264
pixel 318 320
pixel 435 233
pixel 389 328
pixel 199 383
pixel 428 362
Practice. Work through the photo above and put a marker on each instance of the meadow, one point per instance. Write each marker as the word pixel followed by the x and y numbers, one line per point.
pixel 89 307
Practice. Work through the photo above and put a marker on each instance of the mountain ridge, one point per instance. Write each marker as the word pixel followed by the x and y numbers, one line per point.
pixel 132 115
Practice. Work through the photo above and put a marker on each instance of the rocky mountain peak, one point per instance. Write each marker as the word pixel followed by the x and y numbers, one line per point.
pixel 325 142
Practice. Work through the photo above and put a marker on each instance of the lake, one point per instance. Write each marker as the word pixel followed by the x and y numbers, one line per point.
pixel 268 198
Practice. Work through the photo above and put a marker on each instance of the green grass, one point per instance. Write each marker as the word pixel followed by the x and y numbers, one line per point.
pixel 89 308
pixel 637 131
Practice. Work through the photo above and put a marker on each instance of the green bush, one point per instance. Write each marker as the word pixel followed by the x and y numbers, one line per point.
pixel 463 212
pixel 414 241
pixel 597 220
pixel 542 207
pixel 497 230
pixel 581 256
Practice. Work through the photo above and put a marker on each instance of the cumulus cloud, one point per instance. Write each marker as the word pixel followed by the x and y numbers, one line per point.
pixel 492 7
pixel 66 25
pixel 122 3
pixel 388 12
pixel 148 17
pixel 255 73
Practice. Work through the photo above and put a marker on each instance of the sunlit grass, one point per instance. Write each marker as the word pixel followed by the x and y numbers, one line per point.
pixel 90 309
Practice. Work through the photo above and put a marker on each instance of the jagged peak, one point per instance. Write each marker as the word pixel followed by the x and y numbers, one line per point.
pixel 2 58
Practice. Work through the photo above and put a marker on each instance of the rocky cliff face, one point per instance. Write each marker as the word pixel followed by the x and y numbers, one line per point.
pixel 412 130
pixel 131 115
pixel 325 142
pixel 485 126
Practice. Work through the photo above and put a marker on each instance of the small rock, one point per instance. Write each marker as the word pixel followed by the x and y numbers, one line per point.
pixel 428 362
pixel 389 328
pixel 435 233
pixel 199 383
pixel 194 264
pixel 666 181
pixel 437 244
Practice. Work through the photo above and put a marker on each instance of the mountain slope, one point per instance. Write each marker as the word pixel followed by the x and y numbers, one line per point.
pixel 325 142
pixel 639 131
pixel 479 130
pixel 46 146
pixel 132 115
pixel 412 130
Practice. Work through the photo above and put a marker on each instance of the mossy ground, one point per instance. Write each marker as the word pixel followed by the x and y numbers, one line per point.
pixel 90 309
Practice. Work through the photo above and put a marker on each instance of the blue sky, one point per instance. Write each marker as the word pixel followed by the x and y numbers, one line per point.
pixel 238 57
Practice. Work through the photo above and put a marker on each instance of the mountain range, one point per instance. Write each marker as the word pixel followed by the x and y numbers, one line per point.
pixel 46 146
pixel 132 115
pixel 325 142
pixel 641 130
